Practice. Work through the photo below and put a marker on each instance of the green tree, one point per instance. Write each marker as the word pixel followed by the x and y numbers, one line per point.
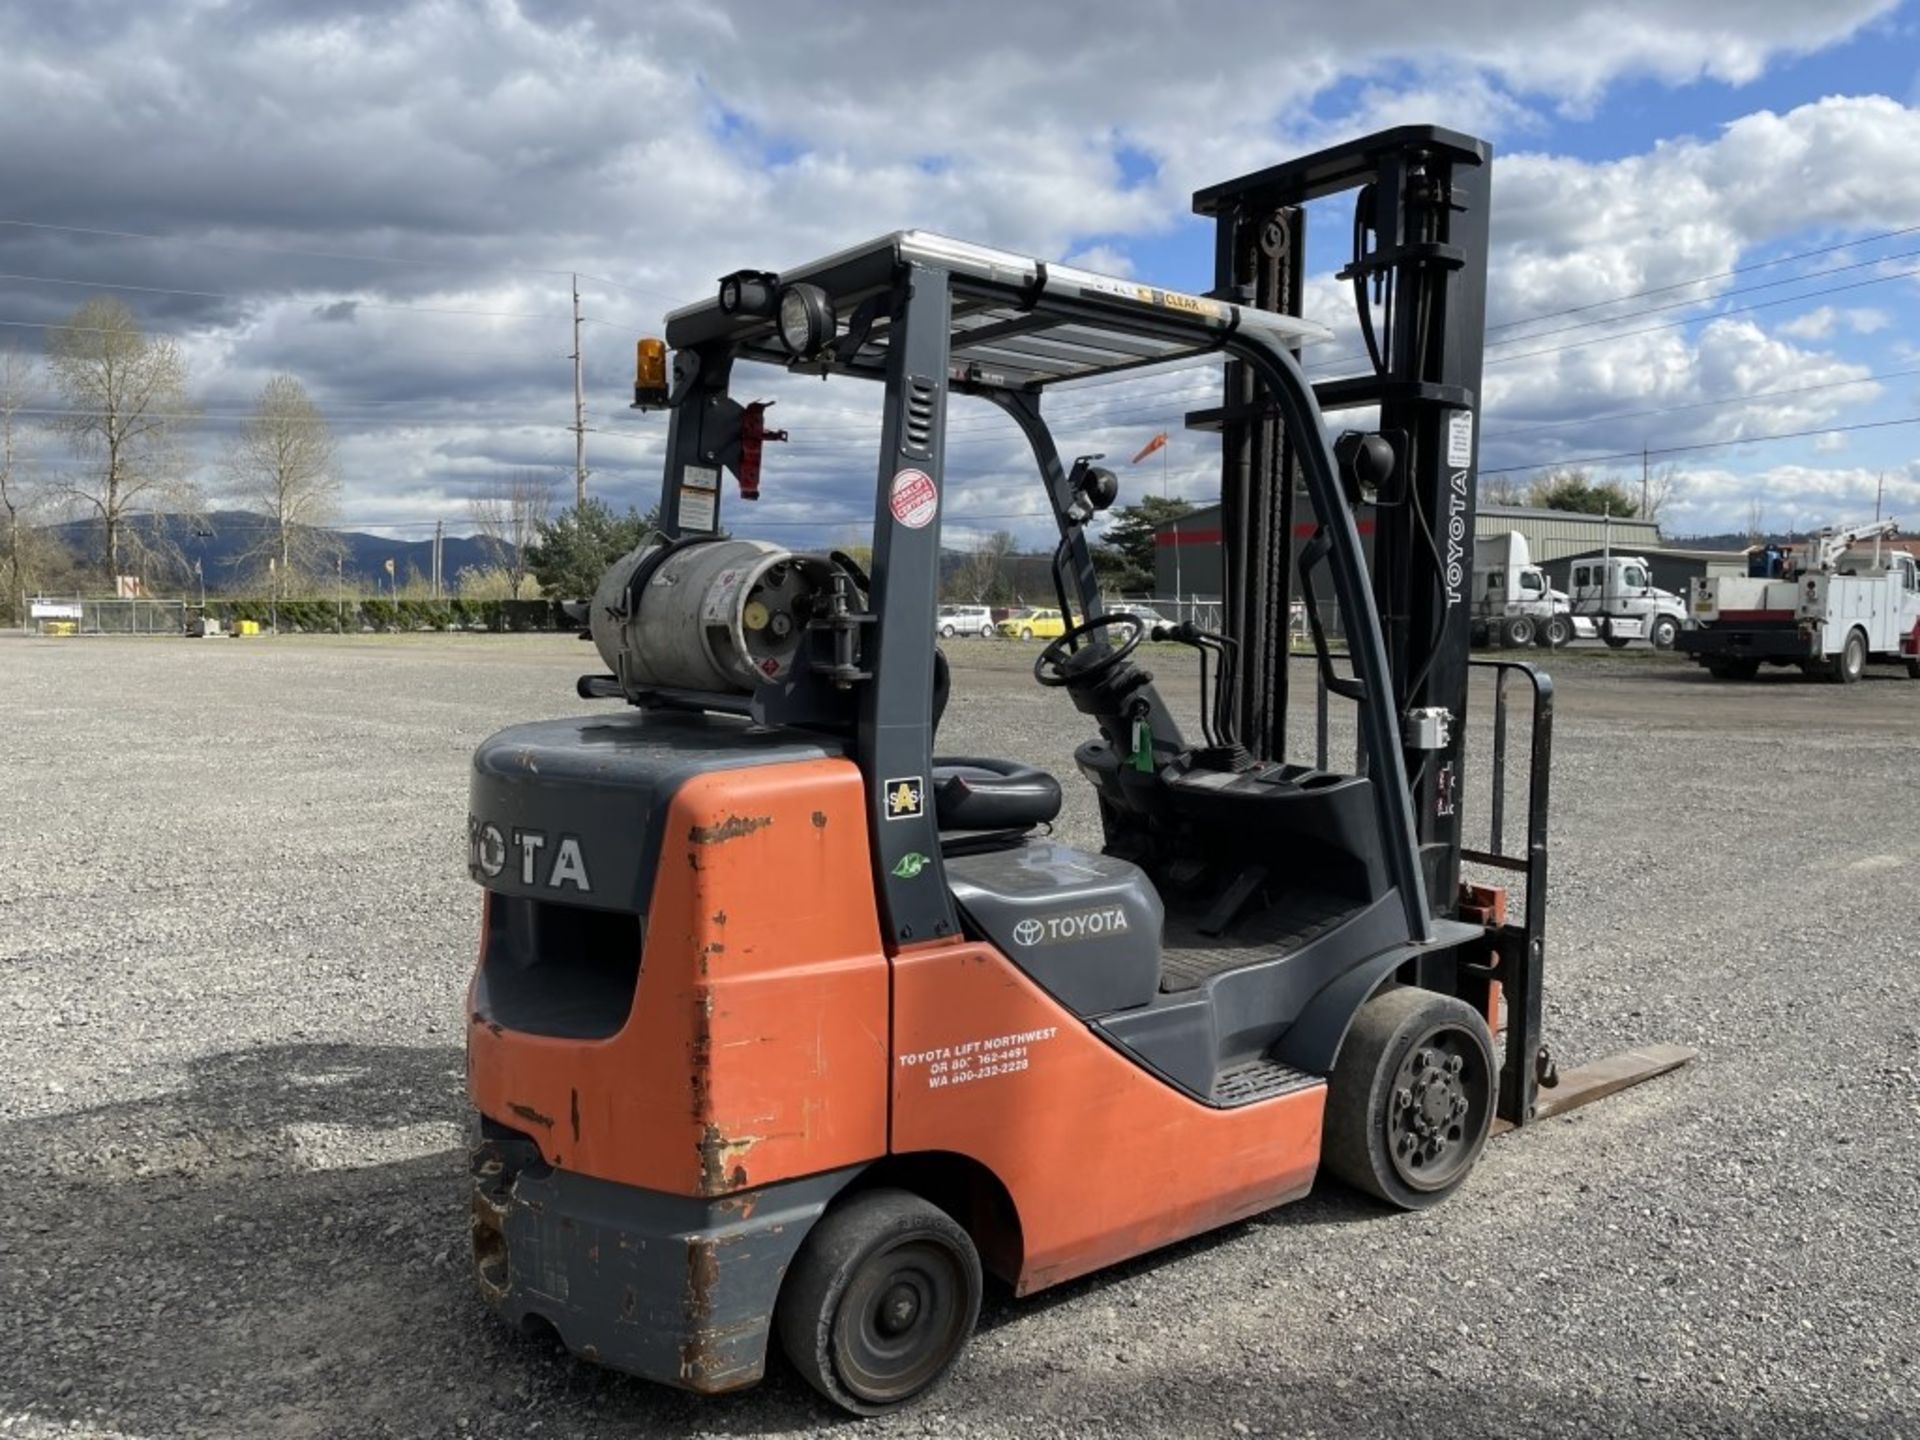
pixel 1576 489
pixel 572 551
pixel 1124 556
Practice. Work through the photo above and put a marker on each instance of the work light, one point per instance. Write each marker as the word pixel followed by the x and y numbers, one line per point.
pixel 747 292
pixel 807 320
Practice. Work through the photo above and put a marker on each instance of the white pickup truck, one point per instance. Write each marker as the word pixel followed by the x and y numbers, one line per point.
pixel 1843 603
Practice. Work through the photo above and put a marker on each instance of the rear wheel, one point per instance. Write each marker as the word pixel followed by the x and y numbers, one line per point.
pixel 1665 631
pixel 1411 1099
pixel 880 1302
pixel 1558 631
pixel 1520 631
pixel 1851 663
pixel 1913 669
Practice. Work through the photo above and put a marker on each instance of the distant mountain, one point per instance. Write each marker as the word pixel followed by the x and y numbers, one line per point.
pixel 218 541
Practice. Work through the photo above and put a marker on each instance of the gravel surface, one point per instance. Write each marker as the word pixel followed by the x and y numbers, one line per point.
pixel 235 930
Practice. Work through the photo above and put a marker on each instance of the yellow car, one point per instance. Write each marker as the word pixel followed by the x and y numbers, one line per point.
pixel 1027 624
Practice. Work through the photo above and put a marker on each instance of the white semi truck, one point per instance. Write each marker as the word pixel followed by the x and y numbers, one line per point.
pixel 1512 602
pixel 1614 597
pixel 1847 599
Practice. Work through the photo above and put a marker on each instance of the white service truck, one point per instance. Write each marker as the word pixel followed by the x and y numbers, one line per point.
pixel 1848 599
pixel 1512 602
pixel 1614 597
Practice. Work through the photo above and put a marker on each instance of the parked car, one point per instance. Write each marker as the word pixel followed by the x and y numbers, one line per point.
pixel 1147 615
pixel 1029 624
pixel 963 620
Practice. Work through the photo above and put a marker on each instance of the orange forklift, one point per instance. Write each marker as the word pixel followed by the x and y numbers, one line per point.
pixel 787 1025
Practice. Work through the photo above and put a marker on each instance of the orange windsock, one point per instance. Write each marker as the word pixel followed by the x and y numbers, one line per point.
pixel 1152 445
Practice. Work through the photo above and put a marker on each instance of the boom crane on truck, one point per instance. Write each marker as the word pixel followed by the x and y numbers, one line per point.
pixel 788 1026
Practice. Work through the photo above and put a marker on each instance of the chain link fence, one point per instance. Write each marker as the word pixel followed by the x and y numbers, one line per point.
pixel 86 615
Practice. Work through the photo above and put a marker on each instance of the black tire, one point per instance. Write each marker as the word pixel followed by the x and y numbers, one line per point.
pixel 1733 669
pixel 946 632
pixel 1026 634
pixel 1618 642
pixel 1556 634
pixel 1913 669
pixel 1520 630
pixel 1664 631
pixel 880 1301
pixel 1434 1052
pixel 1851 663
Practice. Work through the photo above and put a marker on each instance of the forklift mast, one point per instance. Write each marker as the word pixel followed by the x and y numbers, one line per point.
pixel 1418 273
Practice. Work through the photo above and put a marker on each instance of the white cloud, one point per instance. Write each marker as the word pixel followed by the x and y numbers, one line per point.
pixel 1791 497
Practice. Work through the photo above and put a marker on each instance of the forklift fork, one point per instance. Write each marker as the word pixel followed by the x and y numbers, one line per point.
pixel 1516 966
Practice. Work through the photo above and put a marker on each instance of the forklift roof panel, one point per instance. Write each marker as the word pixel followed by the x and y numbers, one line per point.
pixel 1005 330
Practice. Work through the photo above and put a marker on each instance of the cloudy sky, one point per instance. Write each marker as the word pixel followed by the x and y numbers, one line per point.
pixel 387 201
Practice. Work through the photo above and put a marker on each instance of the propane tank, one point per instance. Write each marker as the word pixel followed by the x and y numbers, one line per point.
pixel 718 615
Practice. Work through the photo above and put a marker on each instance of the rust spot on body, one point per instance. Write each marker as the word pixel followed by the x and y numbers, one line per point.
pixel 731 828
pixel 819 819
pixel 531 1115
pixel 715 1152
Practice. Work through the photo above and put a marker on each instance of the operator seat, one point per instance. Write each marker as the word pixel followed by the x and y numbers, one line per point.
pixel 972 792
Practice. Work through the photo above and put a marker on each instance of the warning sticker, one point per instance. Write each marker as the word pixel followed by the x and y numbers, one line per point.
pixel 697 508
pixel 1460 439
pixel 913 499
pixel 700 477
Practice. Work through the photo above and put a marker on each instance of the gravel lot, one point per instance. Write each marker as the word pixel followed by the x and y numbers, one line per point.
pixel 235 929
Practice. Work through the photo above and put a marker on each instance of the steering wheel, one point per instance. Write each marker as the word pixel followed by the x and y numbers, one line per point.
pixel 1057 665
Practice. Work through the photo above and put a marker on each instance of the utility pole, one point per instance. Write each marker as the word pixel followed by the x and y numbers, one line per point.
pixel 579 410
pixel 1645 475
pixel 439 533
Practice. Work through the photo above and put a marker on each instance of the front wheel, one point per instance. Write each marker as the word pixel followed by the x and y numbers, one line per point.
pixel 1026 634
pixel 1665 631
pixel 1411 1099
pixel 880 1301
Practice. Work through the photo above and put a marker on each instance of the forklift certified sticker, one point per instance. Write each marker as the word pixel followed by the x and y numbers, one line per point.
pixel 913 499
pixel 968 1060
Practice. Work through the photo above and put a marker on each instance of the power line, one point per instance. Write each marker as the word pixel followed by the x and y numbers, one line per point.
pixel 1530 427
pixel 1712 444
pixel 227 295
pixel 260 247
pixel 1703 279
pixel 1700 319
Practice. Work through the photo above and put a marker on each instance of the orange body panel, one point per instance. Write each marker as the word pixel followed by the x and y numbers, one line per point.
pixel 756 1049
pixel 1103 1160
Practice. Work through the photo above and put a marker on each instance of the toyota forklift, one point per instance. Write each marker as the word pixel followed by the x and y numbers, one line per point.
pixel 788 1026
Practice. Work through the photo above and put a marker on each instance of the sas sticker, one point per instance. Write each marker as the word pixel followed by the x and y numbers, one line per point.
pixel 911 864
pixel 906 798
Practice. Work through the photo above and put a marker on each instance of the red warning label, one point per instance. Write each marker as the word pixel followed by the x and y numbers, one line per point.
pixel 913 498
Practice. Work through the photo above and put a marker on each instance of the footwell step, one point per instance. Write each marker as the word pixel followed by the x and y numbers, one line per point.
pixel 1259 1080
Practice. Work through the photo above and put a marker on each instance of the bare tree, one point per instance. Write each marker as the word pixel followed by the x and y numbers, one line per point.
pixel 15 394
pixel 1660 489
pixel 981 577
pixel 508 515
pixel 1503 490
pixel 126 398
pixel 280 466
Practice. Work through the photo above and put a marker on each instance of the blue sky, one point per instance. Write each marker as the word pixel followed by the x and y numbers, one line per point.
pixel 386 201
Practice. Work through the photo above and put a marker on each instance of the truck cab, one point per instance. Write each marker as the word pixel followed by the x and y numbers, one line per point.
pixel 1615 598
pixel 1512 601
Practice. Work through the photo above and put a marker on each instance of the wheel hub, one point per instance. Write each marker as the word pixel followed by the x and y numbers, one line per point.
pixel 1429 1134
pixel 899 1308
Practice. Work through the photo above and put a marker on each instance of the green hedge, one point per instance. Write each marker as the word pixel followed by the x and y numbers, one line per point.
pixel 393 616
